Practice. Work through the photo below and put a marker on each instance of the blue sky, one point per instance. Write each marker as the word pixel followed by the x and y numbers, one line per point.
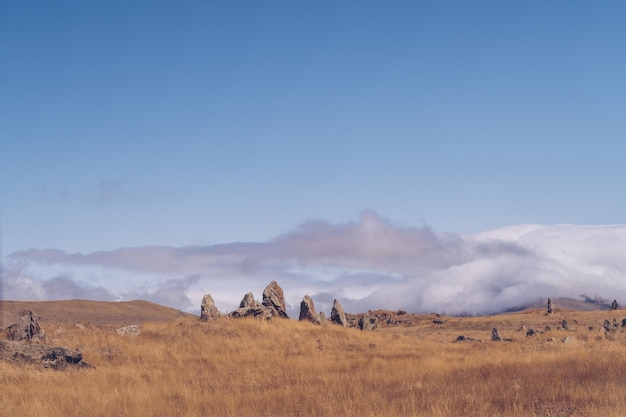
pixel 133 124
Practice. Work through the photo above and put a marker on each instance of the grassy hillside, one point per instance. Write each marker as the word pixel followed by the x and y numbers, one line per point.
pixel 287 368
pixel 85 311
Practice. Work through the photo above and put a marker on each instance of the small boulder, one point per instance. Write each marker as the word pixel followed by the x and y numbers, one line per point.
pixel 530 332
pixel 307 311
pixel 132 330
pixel 568 340
pixel 463 338
pixel 564 325
pixel 208 310
pixel 274 299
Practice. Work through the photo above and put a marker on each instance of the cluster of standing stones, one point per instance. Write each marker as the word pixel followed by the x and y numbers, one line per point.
pixel 273 305
pixel 607 326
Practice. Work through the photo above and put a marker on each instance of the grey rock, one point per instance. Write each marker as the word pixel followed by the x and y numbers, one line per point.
pixel 249 307
pixel 307 311
pixel 463 338
pixel 49 356
pixel 131 330
pixel 614 305
pixel 274 299
pixel 208 310
pixel 27 328
pixel 530 332
pixel 322 316
pixel 337 315
pixel 607 326
pixel 248 301
pixel 623 322
pixel 564 325
pixel 550 306
pixel 368 321
pixel 568 340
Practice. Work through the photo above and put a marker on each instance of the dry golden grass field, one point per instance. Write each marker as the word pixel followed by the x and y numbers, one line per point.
pixel 247 367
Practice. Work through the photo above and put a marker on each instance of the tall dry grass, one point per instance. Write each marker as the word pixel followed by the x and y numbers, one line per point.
pixel 286 368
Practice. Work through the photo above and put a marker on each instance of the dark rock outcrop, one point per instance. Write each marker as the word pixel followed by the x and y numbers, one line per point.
pixel 48 356
pixel 274 299
pixel 337 315
pixel 614 305
pixel 368 321
pixel 564 325
pixel 463 338
pixel 27 328
pixel 307 311
pixel 208 310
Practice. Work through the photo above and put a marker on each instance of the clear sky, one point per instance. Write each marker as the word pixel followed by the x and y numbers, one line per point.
pixel 130 123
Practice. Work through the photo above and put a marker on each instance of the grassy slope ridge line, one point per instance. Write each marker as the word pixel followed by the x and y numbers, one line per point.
pixel 84 311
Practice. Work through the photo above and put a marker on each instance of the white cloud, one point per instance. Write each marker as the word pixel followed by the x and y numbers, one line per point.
pixel 370 263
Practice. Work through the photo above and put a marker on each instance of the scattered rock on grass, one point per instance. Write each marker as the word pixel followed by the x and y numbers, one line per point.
pixel 132 330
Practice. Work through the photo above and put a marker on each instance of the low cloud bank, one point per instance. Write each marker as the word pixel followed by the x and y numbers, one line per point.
pixel 367 264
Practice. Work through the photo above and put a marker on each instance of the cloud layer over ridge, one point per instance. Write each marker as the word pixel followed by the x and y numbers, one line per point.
pixel 367 264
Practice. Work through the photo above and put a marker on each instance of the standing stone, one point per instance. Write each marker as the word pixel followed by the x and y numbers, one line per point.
pixel 274 299
pixel 322 316
pixel 550 306
pixel 208 311
pixel 248 301
pixel 495 336
pixel 607 326
pixel 564 325
pixel 614 305
pixel 250 307
pixel 27 328
pixel 368 321
pixel 337 315
pixel 307 311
